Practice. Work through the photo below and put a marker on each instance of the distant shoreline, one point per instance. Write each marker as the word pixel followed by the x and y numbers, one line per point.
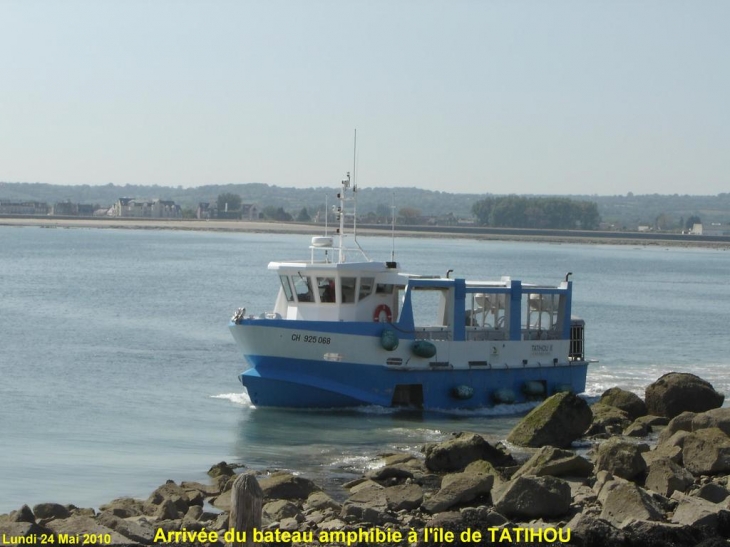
pixel 547 236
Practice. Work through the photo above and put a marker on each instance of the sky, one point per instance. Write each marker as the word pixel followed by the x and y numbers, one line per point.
pixel 526 97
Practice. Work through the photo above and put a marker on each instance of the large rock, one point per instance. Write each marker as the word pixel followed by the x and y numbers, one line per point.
pixel 78 526
pixel 625 400
pixel 700 513
pixel 621 458
pixel 51 511
pixel 664 476
pixel 285 486
pixel 627 501
pixel 534 497
pixel 23 533
pixel 172 492
pixel 458 488
pixel 124 508
pixel 277 510
pixel 608 420
pixel 403 497
pixel 456 453
pixel 555 462
pixel 717 417
pixel 677 392
pixel 587 530
pixel 706 452
pixel 558 421
pixel 139 530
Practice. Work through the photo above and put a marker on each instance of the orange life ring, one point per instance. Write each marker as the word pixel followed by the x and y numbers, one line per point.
pixel 380 309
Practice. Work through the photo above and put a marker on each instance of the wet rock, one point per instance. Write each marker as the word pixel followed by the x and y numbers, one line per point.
pixel 45 511
pixel 222 468
pixel 286 486
pixel 712 492
pixel 664 476
pixel 555 462
pixel 456 453
pixel 628 501
pixel 400 458
pixel 607 420
pixel 624 400
pixel 621 458
pixel 637 429
pixel 558 421
pixel 458 488
pixel 677 392
pixel 533 497
pixel 390 472
pixel 707 452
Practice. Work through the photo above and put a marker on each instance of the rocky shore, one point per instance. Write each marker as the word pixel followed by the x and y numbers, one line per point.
pixel 622 472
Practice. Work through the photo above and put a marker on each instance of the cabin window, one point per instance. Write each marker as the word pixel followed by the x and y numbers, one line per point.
pixel 542 314
pixel 366 287
pixel 384 288
pixel 287 287
pixel 303 288
pixel 488 310
pixel 429 307
pixel 326 288
pixel 347 287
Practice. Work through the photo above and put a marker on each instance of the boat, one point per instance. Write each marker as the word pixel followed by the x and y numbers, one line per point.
pixel 346 333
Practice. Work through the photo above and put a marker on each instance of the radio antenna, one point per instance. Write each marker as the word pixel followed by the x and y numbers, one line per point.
pixel 392 227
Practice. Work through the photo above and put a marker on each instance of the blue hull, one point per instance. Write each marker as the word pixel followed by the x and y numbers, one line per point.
pixel 298 383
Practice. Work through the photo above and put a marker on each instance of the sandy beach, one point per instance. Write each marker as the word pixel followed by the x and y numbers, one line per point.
pixel 499 234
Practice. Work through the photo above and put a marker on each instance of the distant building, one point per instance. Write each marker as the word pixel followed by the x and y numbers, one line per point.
pixel 206 211
pixel 65 209
pixel 696 230
pixel 141 208
pixel 68 209
pixel 716 229
pixel 8 207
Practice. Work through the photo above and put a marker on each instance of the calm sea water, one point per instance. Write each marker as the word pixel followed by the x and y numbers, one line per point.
pixel 118 370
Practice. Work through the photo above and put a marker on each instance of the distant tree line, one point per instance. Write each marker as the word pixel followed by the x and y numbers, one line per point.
pixel 536 212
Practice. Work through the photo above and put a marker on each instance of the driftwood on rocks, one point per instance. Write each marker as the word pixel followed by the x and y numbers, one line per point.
pixel 246 500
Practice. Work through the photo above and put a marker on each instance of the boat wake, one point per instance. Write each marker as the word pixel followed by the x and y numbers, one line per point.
pixel 240 399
